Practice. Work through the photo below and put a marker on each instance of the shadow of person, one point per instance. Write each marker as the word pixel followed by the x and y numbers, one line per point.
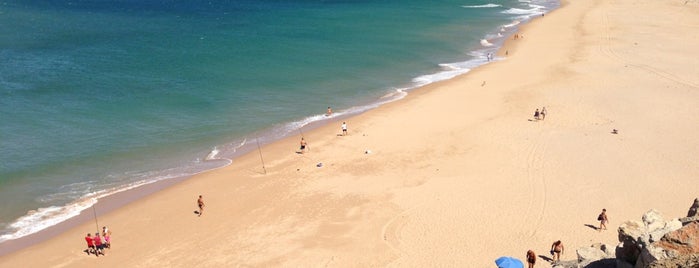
pixel 546 258
pixel 592 226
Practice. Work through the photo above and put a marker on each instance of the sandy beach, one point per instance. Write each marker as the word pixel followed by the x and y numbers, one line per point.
pixel 456 174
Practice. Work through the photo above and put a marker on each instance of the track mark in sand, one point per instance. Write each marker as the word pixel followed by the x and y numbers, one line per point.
pixel 390 231
pixel 536 180
pixel 606 48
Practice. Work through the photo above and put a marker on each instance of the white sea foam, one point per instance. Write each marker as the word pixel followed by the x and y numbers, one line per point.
pixel 512 24
pixel 213 154
pixel 485 43
pixel 483 6
pixel 42 218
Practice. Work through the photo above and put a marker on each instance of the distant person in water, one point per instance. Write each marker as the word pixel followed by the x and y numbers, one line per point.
pixel 344 129
pixel 329 111
pixel 531 258
pixel 303 145
pixel 200 203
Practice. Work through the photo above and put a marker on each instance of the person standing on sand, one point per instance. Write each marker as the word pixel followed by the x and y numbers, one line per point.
pixel 303 145
pixel 543 113
pixel 556 251
pixel 200 203
pixel 531 258
pixel 536 114
pixel 602 218
pixel 98 244
pixel 344 129
pixel 107 234
pixel 90 245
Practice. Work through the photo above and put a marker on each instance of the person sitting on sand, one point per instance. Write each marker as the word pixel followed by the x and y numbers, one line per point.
pixel 303 145
pixel 200 203
pixel 531 258
pixel 602 218
pixel 556 250
pixel 90 245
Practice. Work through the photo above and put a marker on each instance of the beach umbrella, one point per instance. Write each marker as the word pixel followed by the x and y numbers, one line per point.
pixel 508 262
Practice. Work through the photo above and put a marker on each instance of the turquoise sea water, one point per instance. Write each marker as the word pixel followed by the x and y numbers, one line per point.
pixel 99 96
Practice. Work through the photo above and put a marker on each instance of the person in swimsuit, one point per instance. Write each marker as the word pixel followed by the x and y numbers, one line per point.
pixel 107 234
pixel 536 114
pixel 200 203
pixel 543 113
pixel 602 218
pixel 329 112
pixel 531 258
pixel 556 250
pixel 303 145
pixel 344 129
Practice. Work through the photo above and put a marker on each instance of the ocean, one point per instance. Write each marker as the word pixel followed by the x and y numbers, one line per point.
pixel 102 96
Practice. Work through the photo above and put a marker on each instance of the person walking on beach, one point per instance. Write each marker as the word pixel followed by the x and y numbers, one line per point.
pixel 531 258
pixel 536 114
pixel 98 244
pixel 107 234
pixel 556 251
pixel 602 218
pixel 303 145
pixel 344 129
pixel 543 113
pixel 90 245
pixel 200 203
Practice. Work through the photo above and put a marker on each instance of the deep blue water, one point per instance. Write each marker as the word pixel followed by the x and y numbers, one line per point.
pixel 98 96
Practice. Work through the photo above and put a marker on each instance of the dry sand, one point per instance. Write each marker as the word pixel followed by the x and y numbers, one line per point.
pixel 458 174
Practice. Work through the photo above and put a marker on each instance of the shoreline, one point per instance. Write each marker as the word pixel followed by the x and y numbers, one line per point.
pixel 431 191
pixel 121 198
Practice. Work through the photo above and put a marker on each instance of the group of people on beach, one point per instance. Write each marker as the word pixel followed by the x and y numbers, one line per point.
pixel 97 244
pixel 557 247
pixel 303 145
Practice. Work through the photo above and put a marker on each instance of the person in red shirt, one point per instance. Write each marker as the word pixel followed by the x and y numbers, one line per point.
pixel 98 244
pixel 90 245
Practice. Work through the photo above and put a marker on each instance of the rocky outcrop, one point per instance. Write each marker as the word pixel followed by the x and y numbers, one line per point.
pixel 635 236
pixel 683 242
pixel 653 242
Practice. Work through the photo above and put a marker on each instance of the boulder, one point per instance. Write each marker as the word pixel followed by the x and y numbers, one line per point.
pixel 631 235
pixel 592 254
pixel 674 245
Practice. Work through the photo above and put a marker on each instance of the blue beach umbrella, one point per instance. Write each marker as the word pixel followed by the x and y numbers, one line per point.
pixel 508 262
